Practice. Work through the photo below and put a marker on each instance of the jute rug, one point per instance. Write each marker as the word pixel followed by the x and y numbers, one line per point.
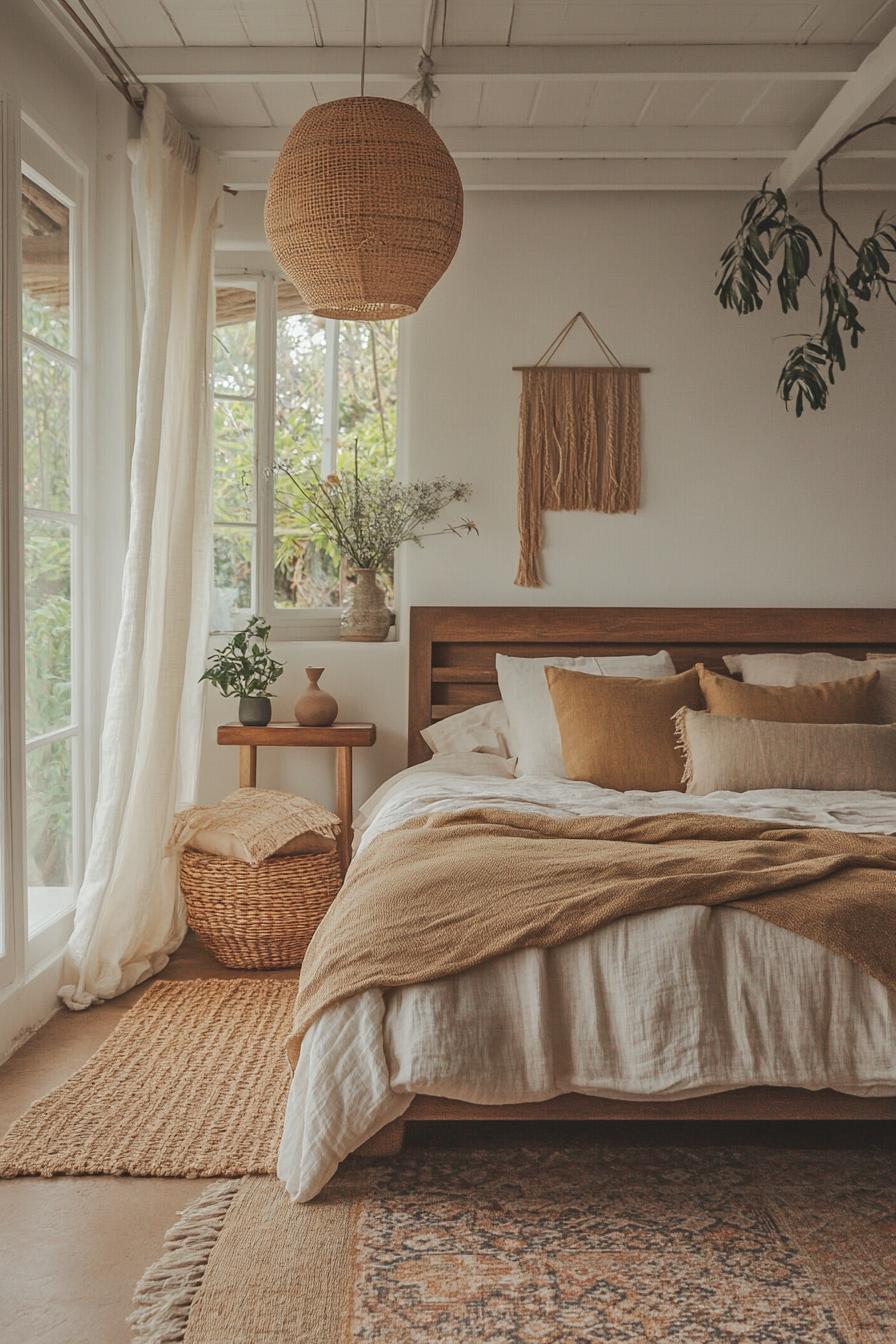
pixel 527 1246
pixel 192 1082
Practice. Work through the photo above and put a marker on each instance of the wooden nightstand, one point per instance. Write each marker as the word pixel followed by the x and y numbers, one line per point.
pixel 341 736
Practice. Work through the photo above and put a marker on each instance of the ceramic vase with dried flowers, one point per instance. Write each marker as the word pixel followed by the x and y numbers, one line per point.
pixel 366 518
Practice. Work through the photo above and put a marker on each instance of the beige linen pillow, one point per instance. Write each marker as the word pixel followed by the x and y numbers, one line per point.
pixel 800 669
pixel 741 754
pixel 534 737
pixel 618 732
pixel 482 728
pixel 230 846
pixel 850 701
pixel 253 824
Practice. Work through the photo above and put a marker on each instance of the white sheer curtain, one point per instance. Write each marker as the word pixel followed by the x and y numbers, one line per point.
pixel 128 917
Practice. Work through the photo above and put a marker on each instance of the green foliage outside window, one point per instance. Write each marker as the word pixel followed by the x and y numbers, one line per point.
pixel 48 600
pixel 308 570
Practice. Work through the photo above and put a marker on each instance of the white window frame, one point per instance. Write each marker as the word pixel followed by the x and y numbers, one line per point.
pixel 12 720
pixel 50 167
pixel 310 623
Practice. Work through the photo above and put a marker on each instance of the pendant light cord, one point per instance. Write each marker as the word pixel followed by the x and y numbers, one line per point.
pixel 364 50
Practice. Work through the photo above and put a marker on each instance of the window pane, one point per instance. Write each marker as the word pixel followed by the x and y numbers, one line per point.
pixel 301 354
pixel 46 429
pixel 368 405
pixel 233 561
pixel 306 573
pixel 50 833
pixel 368 394
pixel 234 342
pixel 234 461
pixel 48 625
pixel 307 570
pixel 46 293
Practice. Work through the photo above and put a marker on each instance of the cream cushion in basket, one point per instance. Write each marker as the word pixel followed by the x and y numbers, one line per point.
pixel 534 736
pixel 229 846
pixel 801 669
pixel 725 753
pixel 254 824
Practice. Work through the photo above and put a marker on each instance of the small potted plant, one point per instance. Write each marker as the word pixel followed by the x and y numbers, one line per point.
pixel 366 518
pixel 246 667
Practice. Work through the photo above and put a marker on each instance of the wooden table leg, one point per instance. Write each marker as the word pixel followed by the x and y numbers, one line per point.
pixel 248 767
pixel 344 803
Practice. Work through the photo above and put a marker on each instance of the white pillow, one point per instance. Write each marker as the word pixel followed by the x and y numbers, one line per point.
pixel 804 669
pixel 534 737
pixel 482 728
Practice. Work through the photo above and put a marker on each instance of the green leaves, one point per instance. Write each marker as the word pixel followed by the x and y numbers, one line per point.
pixel 869 278
pixel 768 231
pixel 803 376
pixel 792 240
pixel 840 318
pixel 811 367
pixel 769 236
pixel 244 666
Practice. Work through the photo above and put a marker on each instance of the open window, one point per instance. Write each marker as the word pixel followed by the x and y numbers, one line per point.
pixel 296 390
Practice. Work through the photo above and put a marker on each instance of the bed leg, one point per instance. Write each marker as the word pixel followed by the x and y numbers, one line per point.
pixel 387 1142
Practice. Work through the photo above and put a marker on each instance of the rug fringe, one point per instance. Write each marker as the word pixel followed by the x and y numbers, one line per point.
pixel 164 1296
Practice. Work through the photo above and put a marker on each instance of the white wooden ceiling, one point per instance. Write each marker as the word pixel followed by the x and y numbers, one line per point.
pixel 534 92
pixel 491 22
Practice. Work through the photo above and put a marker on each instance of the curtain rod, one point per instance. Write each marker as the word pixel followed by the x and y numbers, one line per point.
pixel 123 77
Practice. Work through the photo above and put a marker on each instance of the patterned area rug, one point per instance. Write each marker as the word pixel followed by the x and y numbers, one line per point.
pixel 190 1083
pixel 533 1246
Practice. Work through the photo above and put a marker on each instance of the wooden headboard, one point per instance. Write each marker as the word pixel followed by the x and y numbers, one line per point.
pixel 452 655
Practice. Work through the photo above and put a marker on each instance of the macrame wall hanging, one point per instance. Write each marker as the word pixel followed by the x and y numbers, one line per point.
pixel 579 444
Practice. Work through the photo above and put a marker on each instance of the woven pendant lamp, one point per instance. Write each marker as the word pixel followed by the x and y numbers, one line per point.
pixel 364 208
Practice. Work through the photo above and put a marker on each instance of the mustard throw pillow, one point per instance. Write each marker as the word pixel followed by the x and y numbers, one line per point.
pixel 851 701
pixel 618 732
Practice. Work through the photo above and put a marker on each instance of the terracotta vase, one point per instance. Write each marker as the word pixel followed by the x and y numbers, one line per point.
pixel 315 708
pixel 365 614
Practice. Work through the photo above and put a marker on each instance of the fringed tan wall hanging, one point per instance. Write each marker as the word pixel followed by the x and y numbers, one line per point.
pixel 579 444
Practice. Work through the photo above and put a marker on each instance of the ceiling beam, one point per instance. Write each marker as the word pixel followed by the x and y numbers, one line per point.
pixel 550 142
pixel 571 142
pixel 872 79
pixel 261 65
pixel 591 174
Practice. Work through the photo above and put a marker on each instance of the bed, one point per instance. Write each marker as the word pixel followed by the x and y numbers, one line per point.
pixel 659 1034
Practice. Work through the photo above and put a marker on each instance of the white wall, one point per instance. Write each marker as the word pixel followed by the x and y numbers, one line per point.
pixel 742 504
pixel 53 84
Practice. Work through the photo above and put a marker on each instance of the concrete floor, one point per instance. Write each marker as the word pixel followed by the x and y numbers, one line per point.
pixel 72 1248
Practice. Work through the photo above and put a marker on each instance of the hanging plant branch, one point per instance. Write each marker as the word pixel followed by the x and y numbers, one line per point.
pixel 770 237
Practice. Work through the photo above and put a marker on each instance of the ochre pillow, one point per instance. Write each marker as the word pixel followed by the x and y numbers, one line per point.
pixel 725 753
pixel 851 701
pixel 618 732
pixel 799 669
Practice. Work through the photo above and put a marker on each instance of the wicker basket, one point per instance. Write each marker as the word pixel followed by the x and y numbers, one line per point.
pixel 258 917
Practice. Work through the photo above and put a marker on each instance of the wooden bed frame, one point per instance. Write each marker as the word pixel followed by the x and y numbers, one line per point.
pixel 452 666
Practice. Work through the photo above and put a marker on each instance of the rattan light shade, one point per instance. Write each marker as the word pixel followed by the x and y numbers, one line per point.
pixel 364 208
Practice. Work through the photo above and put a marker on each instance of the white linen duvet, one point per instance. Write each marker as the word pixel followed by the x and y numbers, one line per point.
pixel 669 1004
